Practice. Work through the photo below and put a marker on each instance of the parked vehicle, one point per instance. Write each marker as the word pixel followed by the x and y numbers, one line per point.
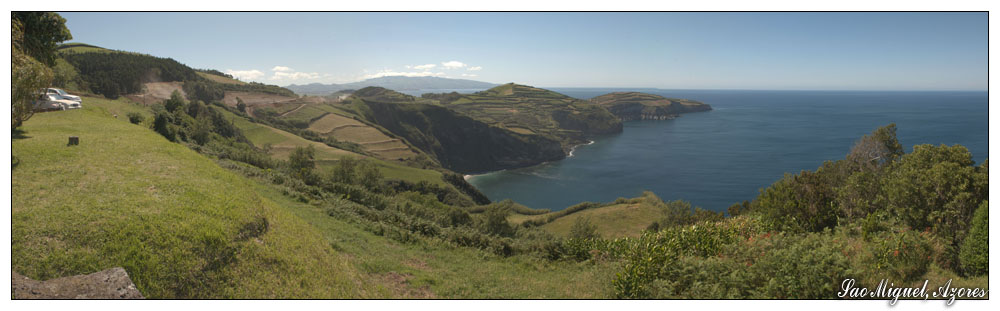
pixel 47 102
pixel 60 94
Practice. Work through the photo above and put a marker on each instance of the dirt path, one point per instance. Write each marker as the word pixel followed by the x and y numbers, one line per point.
pixel 293 110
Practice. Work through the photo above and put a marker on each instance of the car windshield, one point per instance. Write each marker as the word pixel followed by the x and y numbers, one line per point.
pixel 61 92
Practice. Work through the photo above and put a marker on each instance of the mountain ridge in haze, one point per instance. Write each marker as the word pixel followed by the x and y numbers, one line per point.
pixel 398 83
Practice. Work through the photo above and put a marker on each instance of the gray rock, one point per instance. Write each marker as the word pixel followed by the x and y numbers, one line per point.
pixel 112 283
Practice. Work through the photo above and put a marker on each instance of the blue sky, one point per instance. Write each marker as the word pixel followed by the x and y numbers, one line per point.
pixel 776 51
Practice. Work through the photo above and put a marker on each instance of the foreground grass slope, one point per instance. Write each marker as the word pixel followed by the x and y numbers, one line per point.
pixel 178 223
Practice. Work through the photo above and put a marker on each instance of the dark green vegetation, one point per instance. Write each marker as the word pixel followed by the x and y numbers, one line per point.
pixel 641 106
pixel 115 73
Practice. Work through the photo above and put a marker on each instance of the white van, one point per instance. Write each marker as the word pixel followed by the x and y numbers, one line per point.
pixel 60 94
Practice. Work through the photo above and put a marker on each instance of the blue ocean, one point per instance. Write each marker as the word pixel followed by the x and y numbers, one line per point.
pixel 751 138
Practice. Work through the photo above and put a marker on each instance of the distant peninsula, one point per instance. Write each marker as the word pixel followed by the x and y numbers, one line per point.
pixel 397 83
pixel 629 106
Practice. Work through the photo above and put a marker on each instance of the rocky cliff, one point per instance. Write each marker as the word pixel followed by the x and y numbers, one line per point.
pixel 459 142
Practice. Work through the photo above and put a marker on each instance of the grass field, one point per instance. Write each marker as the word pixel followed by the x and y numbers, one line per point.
pixel 615 221
pixel 331 121
pixel 220 79
pixel 177 222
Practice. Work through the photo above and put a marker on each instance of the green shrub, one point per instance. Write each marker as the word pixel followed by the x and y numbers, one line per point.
pixel 799 203
pixel 904 255
pixel 936 188
pixel 809 266
pixel 974 255
pixel 583 229
pixel 135 117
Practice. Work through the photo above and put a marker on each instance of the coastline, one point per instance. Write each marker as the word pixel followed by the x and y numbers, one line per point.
pixel 574 148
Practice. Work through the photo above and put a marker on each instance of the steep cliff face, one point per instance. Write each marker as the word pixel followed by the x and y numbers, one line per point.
pixel 460 143
pixel 629 106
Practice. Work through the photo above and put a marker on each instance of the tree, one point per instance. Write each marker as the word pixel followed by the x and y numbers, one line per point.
pixel 974 255
pixel 876 150
pixel 31 48
pixel 936 188
pixel 369 175
pixel 799 203
pixel 495 219
pixel 343 172
pixel 240 105
pixel 175 102
pixel 27 76
pixel 302 158
pixel 43 31
pixel 583 229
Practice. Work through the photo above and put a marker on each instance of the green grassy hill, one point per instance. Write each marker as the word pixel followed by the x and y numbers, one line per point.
pixel 641 106
pixel 178 223
pixel 613 221
pixel 530 110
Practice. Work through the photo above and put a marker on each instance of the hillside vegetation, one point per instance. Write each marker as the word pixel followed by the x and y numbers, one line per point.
pixel 114 73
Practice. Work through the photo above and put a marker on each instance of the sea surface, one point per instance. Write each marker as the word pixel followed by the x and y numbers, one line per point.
pixel 751 138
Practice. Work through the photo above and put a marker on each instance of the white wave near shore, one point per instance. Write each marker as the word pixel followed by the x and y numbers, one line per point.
pixel 571 150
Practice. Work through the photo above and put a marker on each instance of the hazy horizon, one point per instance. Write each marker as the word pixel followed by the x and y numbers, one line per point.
pixel 882 51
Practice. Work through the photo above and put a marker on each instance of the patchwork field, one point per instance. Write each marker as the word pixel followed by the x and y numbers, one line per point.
pixel 350 130
pixel 283 143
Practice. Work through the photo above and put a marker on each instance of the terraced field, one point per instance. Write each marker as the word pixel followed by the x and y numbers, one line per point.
pixel 371 139
pixel 530 110
pixel 220 79
pixel 283 143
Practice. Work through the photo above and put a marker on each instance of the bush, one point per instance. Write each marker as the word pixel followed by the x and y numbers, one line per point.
pixel 799 203
pixel 495 220
pixel 135 117
pixel 974 255
pixel 899 256
pixel 583 229
pixel 161 124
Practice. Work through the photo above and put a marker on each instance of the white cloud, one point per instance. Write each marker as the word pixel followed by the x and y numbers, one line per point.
pixel 422 67
pixel 282 75
pixel 281 69
pixel 253 74
pixel 453 64
pixel 477 68
pixel 469 75
pixel 389 73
